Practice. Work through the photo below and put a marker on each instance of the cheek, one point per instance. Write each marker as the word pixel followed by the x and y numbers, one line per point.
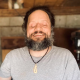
pixel 48 31
pixel 29 32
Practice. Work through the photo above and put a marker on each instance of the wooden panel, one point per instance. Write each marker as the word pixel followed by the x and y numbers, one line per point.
pixel 3 4
pixel 39 2
pixel 4 53
pixel 50 2
pixel 55 10
pixel 58 2
pixel 71 3
pixel 28 3
pixel 12 42
pixel 12 12
pixel 65 10
pixel 63 38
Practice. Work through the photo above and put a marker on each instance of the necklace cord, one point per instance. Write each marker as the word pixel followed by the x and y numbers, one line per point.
pixel 40 59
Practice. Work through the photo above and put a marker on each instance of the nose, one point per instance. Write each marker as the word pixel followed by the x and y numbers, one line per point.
pixel 38 27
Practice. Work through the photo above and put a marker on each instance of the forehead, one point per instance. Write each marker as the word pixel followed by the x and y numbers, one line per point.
pixel 38 14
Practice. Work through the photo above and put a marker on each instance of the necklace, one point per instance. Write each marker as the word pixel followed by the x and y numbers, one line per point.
pixel 35 67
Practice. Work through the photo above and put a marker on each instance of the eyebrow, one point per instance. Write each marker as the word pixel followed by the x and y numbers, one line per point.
pixel 30 22
pixel 35 21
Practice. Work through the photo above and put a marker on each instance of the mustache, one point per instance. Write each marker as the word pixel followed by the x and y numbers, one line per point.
pixel 38 32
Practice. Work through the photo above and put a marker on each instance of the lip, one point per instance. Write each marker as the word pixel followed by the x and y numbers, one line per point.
pixel 38 35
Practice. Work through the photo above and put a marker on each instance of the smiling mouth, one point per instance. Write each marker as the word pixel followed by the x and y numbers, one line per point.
pixel 38 35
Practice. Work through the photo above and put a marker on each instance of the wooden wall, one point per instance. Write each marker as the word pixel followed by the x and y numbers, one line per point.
pixel 54 3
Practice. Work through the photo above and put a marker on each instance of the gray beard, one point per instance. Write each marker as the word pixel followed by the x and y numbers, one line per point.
pixel 39 45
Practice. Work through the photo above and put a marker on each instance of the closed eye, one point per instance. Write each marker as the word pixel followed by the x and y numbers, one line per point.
pixel 44 25
pixel 32 25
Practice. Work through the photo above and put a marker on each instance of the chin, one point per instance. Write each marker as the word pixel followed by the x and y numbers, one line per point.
pixel 38 39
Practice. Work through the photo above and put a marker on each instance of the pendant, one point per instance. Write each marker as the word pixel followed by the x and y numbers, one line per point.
pixel 35 68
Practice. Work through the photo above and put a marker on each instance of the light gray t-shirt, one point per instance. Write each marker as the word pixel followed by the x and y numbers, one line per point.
pixel 58 64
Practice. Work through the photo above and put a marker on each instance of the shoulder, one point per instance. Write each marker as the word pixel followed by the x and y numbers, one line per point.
pixel 17 52
pixel 63 52
pixel 19 49
pixel 60 49
pixel 64 55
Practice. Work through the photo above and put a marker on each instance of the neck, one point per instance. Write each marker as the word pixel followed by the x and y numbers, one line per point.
pixel 39 53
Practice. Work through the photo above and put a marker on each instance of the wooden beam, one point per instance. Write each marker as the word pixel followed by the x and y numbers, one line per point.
pixel 65 10
pixel 50 2
pixel 55 10
pixel 12 42
pixel 3 5
pixel 39 2
pixel 58 2
pixel 28 3
pixel 12 12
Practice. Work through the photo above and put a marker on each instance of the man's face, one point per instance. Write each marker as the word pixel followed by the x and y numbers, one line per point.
pixel 38 26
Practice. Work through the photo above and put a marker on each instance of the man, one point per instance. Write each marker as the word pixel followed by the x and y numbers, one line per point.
pixel 40 60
